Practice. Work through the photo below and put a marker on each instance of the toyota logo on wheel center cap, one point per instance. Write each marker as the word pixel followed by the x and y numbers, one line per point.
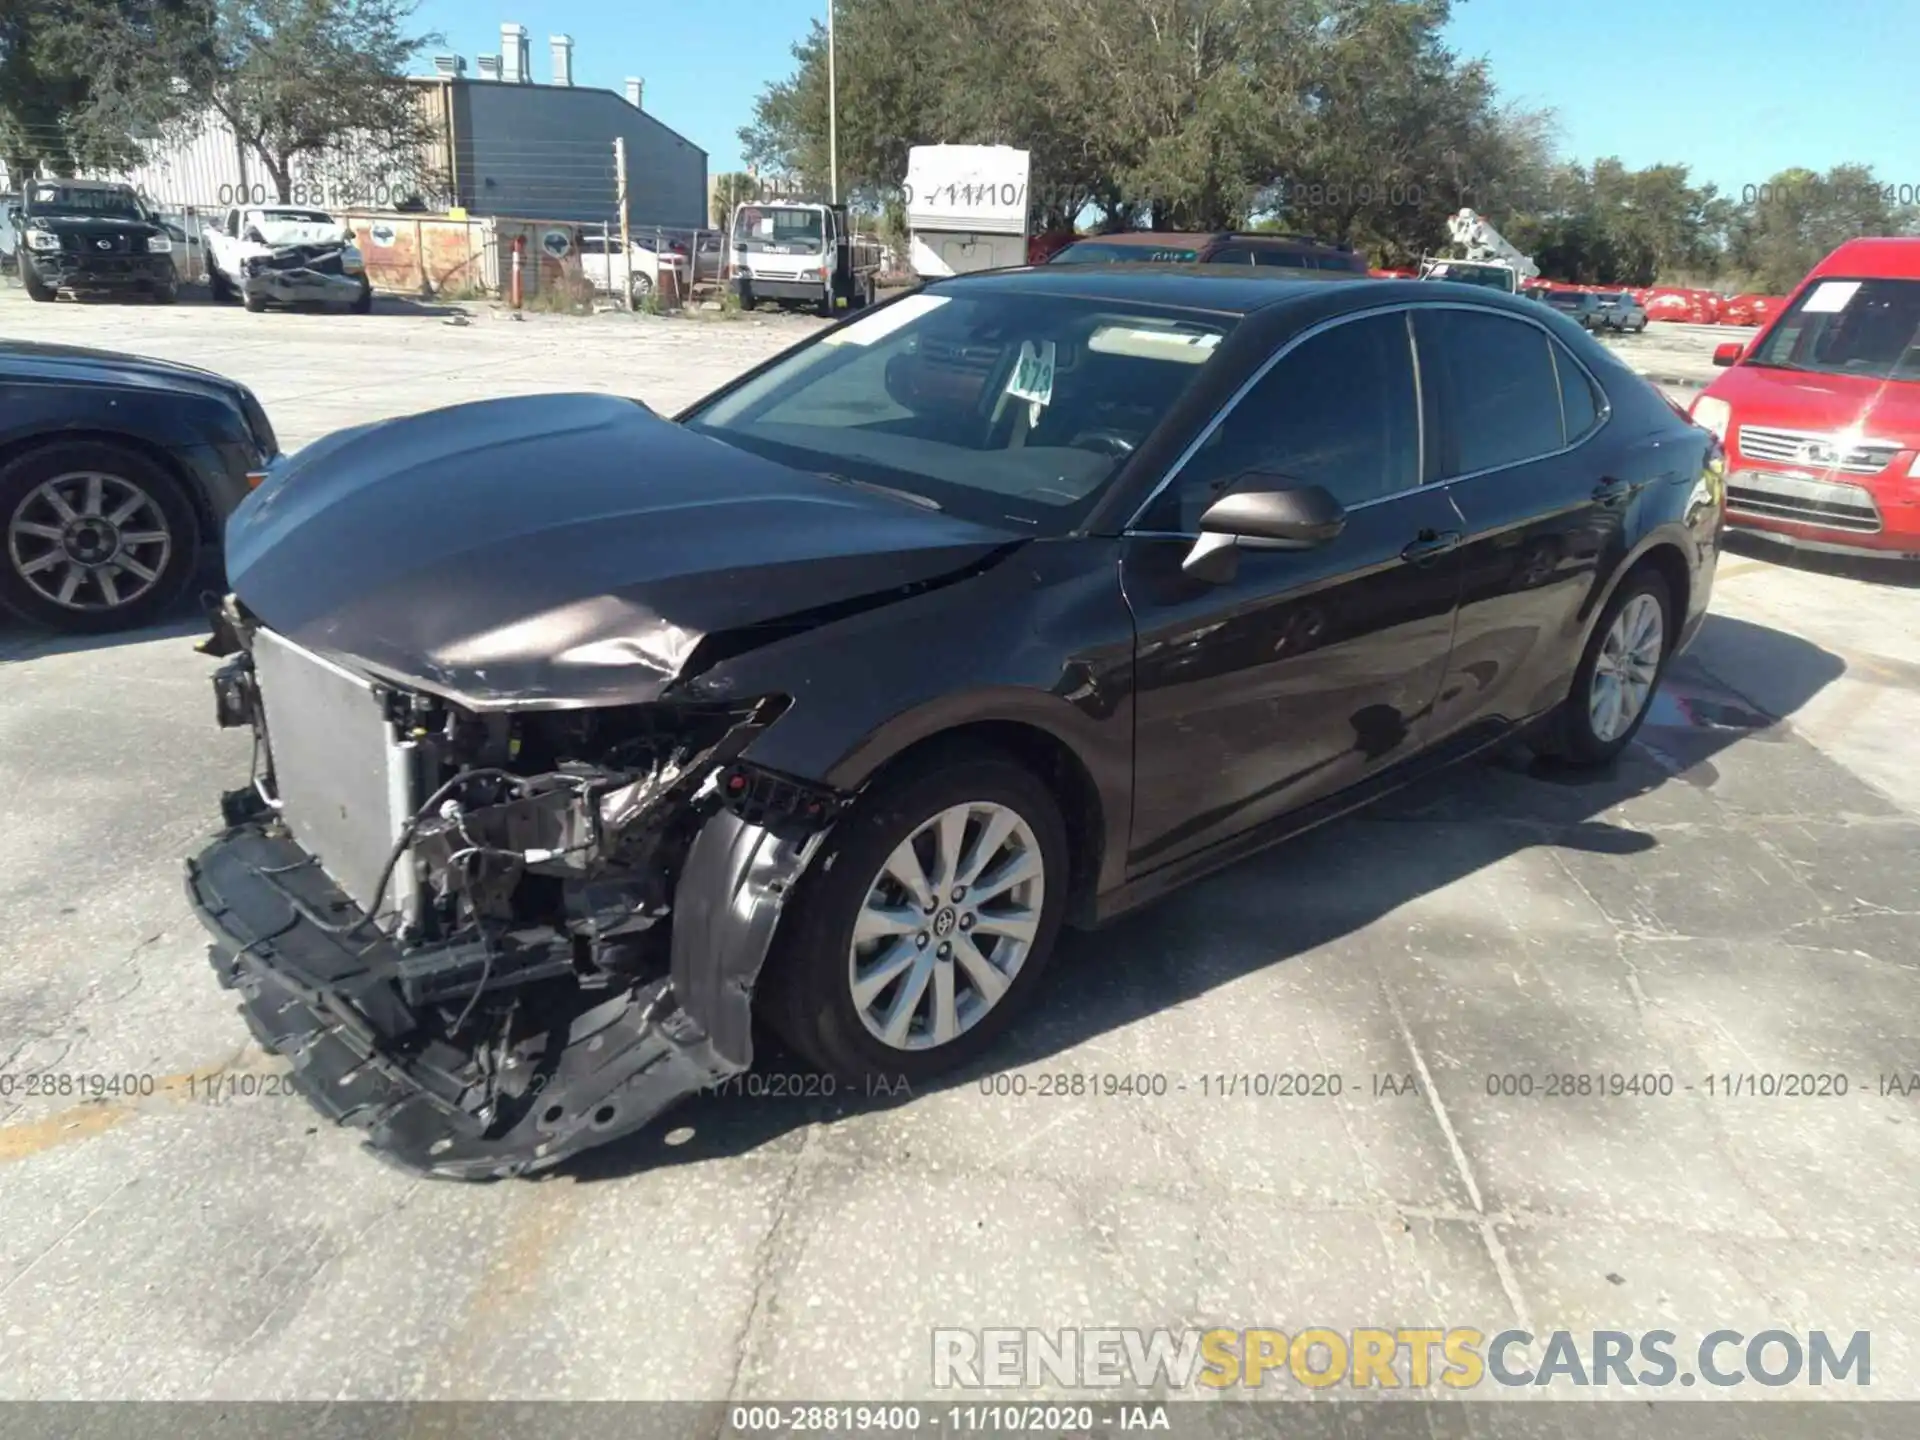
pixel 943 922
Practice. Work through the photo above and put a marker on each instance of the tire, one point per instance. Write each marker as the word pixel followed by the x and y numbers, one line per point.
pixel 363 302
pixel 221 287
pixel 165 511
pixel 1576 738
pixel 823 307
pixel 638 289
pixel 255 303
pixel 808 997
pixel 31 283
pixel 166 294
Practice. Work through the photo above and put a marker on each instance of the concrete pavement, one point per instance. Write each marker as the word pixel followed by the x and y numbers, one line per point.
pixel 1735 901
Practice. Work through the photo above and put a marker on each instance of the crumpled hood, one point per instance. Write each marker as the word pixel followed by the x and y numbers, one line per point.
pixel 562 550
pixel 301 232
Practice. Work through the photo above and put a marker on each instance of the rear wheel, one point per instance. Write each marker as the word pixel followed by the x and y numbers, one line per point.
pixel 363 302
pixel 924 925
pixel 1614 686
pixel 166 294
pixel 221 287
pixel 93 537
pixel 639 288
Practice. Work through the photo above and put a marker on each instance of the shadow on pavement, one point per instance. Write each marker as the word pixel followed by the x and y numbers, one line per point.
pixel 22 641
pixel 1321 887
pixel 1867 569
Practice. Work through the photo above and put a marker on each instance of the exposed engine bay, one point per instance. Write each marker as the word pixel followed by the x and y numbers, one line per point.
pixel 493 940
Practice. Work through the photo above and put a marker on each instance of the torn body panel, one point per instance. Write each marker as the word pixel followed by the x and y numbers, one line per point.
pixel 561 939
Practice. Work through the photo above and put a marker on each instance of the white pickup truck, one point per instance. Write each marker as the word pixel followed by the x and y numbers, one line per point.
pixel 286 255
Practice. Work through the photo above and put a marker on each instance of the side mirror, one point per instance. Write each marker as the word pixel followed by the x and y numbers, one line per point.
pixel 1262 512
pixel 1728 352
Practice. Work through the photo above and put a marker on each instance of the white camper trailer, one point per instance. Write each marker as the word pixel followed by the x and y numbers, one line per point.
pixel 966 208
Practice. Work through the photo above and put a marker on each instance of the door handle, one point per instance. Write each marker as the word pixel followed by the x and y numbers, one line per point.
pixel 1430 545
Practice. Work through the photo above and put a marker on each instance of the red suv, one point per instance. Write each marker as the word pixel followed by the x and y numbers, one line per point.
pixel 1820 414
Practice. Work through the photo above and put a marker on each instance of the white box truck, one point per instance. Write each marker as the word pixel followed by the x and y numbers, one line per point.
pixel 966 208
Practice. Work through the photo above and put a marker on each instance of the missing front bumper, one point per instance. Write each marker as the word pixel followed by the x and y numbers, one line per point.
pixel 332 1005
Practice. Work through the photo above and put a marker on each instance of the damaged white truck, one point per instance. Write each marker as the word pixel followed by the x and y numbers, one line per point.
pixel 286 255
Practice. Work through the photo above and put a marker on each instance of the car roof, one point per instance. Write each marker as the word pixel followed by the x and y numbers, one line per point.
pixel 66 183
pixel 1891 257
pixel 1220 289
pixel 1159 239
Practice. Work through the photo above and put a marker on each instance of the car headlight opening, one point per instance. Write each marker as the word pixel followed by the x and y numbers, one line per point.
pixel 42 240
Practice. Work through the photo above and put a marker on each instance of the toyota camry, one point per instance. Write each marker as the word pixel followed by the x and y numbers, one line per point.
pixel 582 733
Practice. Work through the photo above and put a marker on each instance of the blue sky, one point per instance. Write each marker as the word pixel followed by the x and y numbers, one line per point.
pixel 1737 89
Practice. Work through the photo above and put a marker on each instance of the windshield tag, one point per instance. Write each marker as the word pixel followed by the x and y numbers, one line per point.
pixel 1033 378
pixel 1830 298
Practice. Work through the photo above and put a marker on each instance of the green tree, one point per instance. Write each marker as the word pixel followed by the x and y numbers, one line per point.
pixel 1787 225
pixel 729 190
pixel 314 82
pixel 68 101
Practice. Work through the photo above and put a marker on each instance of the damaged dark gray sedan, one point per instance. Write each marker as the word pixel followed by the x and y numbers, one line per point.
pixel 581 734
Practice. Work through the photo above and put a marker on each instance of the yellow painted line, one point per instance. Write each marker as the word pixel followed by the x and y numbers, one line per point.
pixel 96 1117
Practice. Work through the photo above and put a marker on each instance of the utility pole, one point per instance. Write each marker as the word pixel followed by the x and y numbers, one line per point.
pixel 833 115
pixel 626 239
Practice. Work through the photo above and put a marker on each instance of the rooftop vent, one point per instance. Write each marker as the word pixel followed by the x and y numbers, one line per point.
pixel 635 86
pixel 450 66
pixel 489 67
pixel 515 67
pixel 562 46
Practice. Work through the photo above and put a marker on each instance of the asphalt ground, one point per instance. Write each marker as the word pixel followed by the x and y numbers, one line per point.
pixel 1735 900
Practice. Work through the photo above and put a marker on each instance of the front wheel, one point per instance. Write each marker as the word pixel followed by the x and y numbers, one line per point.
pixel 36 288
pixel 93 537
pixel 924 925
pixel 219 285
pixel 1614 686
pixel 254 301
pixel 363 302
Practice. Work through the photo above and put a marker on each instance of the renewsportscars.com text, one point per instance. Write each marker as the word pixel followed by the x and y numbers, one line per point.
pixel 1395 1358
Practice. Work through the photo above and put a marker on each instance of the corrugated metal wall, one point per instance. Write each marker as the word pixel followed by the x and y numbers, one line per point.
pixel 548 150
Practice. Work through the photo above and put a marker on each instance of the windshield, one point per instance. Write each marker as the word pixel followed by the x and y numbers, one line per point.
pixel 1849 327
pixel 772 229
pixel 117 203
pixel 1003 408
pixel 1463 272
pixel 1568 301
pixel 293 217
pixel 1106 252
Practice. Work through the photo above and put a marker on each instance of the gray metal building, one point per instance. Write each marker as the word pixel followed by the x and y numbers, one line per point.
pixel 521 148
pixel 501 145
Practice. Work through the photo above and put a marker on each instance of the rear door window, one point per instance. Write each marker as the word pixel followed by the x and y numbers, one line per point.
pixel 1500 393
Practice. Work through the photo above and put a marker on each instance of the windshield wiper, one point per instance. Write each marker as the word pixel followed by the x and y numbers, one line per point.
pixel 925 502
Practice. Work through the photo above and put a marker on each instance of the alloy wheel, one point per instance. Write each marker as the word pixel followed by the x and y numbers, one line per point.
pixel 1626 668
pixel 946 925
pixel 89 541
